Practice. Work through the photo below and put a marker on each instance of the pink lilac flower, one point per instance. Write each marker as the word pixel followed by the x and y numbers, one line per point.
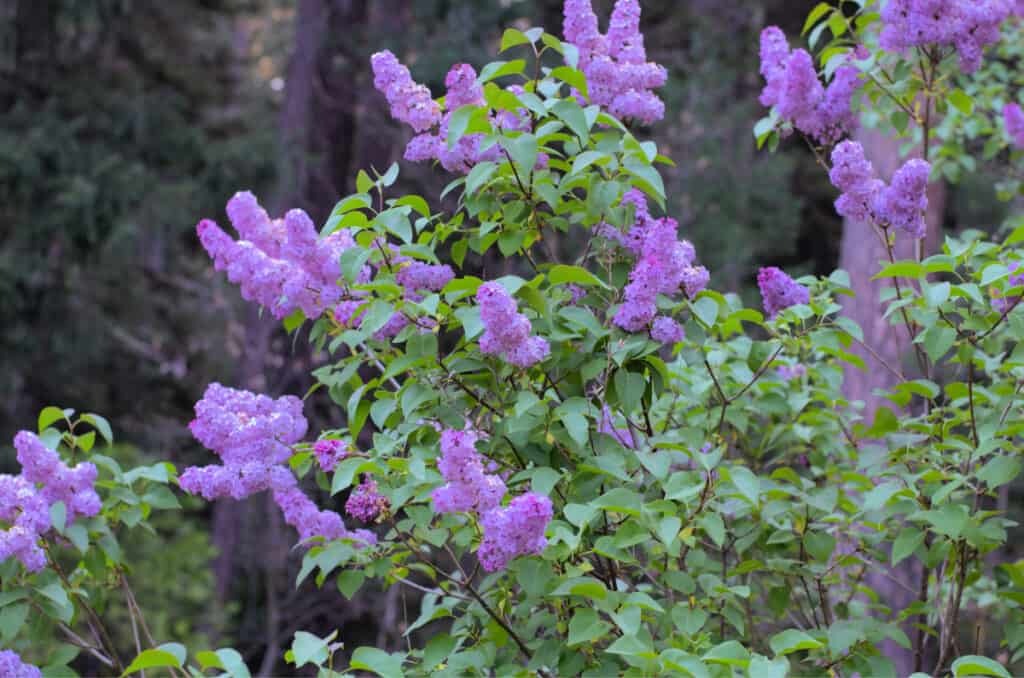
pixel 1013 116
pixel 330 452
pixel 253 435
pixel 506 331
pixel 660 269
pixel 365 503
pixel 12 666
pixel 468 487
pixel 619 77
pixel 967 25
pixel 867 199
pixel 667 331
pixel 281 264
pixel 793 88
pixel 623 435
pixel 515 530
pixel 779 291
pixel 410 102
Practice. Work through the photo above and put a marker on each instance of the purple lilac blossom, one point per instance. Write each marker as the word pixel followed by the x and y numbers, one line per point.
pixel 695 279
pixel 793 88
pixel 410 102
pixel 619 77
pixel 1013 116
pixel 660 269
pixel 253 435
pixel 280 264
pixel 779 291
pixel 867 199
pixel 1002 303
pixel 468 487
pixel 791 372
pixel 11 666
pixel 506 331
pixel 330 452
pixel 72 486
pixel 514 530
pixel 667 331
pixel 967 25
pixel 417 276
pixel 623 435
pixel 365 502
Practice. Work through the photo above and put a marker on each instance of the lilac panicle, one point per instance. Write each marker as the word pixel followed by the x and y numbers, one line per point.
pixel 468 487
pixel 410 102
pixel 667 331
pixel 280 264
pixel 779 291
pixel 330 452
pixel 253 435
pixel 967 25
pixel 619 77
pixel 506 331
pixel 867 199
pixel 793 88
pixel 623 435
pixel 12 666
pixel 365 503
pixel 514 530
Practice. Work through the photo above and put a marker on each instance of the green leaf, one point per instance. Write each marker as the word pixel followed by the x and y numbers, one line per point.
pixel 792 640
pixel 649 177
pixel 972 665
pixel 936 295
pixel 762 667
pixel 815 15
pixel 961 101
pixel 511 38
pixel 572 77
pixel 908 540
pixel 562 274
pixel 101 425
pixel 937 341
pixel 364 184
pixel 349 582
pixel 378 661
pixel 706 310
pixel 309 649
pixel 572 115
pixel 151 659
pixel 497 69
pixel 523 150
pixel 12 618
pixel 586 626
pixel 58 516
pixel 999 471
pixel 901 269
pixel 747 483
pixel 48 416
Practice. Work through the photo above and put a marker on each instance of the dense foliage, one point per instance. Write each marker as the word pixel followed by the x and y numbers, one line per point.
pixel 597 465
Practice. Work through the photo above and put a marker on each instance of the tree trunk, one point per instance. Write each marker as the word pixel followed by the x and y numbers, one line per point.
pixel 861 254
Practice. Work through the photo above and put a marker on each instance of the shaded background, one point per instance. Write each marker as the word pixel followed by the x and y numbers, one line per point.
pixel 122 123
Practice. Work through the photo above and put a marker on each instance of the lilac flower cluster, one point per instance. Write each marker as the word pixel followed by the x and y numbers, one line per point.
pixel 667 330
pixel 330 452
pixel 664 264
pixel 468 487
pixel 506 331
pixel 510 531
pixel 12 666
pixel 1004 303
pixel 410 102
pixel 619 77
pixel 791 372
pixel 25 499
pixel 967 25
pixel 1013 116
pixel 866 198
pixel 793 88
pixel 281 264
pixel 514 530
pixel 253 435
pixel 779 291
pixel 365 503
pixel 623 435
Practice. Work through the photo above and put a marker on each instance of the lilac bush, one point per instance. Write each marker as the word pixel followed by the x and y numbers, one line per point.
pixel 598 464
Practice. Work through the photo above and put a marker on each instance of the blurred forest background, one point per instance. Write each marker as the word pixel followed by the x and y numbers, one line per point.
pixel 122 123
